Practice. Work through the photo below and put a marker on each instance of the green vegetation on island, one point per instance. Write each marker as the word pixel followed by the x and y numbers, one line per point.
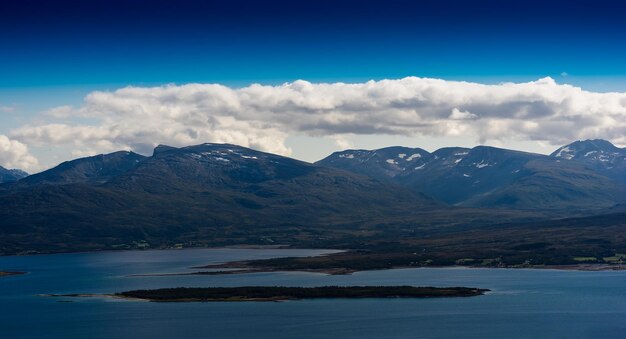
pixel 278 293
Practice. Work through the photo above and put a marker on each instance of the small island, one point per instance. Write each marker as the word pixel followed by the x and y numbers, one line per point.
pixel 279 293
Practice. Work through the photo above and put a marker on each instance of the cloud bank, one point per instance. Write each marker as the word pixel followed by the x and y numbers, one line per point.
pixel 262 117
pixel 14 154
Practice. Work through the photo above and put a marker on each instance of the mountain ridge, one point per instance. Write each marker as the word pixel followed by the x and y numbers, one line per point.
pixel 222 194
pixel 97 169
pixel 490 177
pixel 215 193
pixel 11 175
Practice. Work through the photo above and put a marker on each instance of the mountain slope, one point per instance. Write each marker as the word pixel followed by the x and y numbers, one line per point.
pixel 551 185
pixel 599 155
pixel 218 194
pixel 95 169
pixel 490 177
pixel 456 175
pixel 7 175
pixel 382 164
pixel 450 174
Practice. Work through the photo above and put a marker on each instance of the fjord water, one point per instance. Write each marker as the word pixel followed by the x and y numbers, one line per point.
pixel 523 303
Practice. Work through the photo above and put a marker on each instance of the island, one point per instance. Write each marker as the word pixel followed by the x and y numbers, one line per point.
pixel 281 293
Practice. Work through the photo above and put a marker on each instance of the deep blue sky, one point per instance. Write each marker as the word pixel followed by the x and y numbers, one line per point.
pixel 57 43
pixel 53 53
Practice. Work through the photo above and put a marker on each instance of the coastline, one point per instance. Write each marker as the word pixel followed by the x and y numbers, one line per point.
pixel 165 248
pixel 584 267
pixel 252 266
pixel 243 267
pixel 238 269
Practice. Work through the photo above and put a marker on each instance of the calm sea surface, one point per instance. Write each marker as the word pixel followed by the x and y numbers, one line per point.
pixel 522 304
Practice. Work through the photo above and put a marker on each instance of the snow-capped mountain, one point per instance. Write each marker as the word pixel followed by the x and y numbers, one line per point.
pixel 382 163
pixel 451 174
pixel 601 155
pixel 487 176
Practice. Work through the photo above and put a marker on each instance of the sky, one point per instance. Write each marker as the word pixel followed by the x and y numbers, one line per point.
pixel 306 78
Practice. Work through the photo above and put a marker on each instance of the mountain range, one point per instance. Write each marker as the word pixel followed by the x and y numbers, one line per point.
pixel 220 194
pixel 224 194
pixel 583 175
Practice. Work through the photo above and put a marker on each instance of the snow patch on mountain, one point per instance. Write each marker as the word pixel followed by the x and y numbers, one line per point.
pixel 249 157
pixel 414 156
pixel 565 152
pixel 482 164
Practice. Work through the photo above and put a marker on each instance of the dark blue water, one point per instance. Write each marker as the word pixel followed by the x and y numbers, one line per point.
pixel 523 304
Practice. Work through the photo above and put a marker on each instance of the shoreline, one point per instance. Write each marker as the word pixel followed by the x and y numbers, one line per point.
pixel 87 295
pixel 234 270
pixel 249 267
pixel 173 248
pixel 584 267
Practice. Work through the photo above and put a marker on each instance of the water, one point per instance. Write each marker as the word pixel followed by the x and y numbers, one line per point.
pixel 522 304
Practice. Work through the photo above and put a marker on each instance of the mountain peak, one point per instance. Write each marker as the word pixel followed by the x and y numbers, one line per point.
pixel 96 169
pixel 162 148
pixel 10 175
pixel 222 153
pixel 205 147
pixel 597 148
pixel 597 154
pixel 380 163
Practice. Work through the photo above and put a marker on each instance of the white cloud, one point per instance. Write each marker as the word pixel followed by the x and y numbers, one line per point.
pixel 14 154
pixel 342 142
pixel 60 112
pixel 262 117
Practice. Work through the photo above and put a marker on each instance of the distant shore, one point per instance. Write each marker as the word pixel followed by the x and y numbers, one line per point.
pixel 259 266
pixel 242 267
pixel 584 267
pixel 333 264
